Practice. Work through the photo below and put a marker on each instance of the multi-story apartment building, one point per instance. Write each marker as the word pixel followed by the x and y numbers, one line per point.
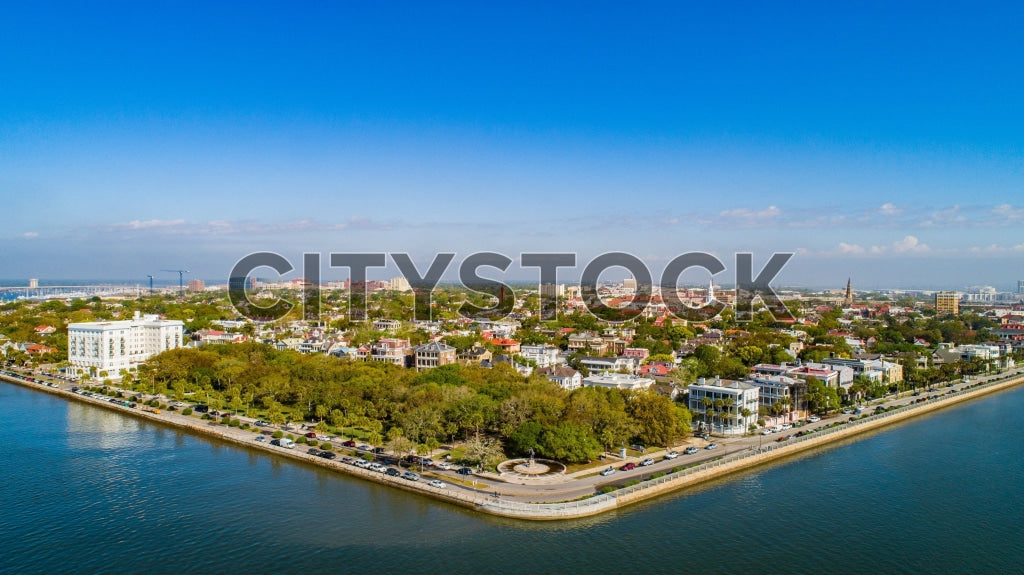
pixel 735 396
pixel 947 302
pixel 111 346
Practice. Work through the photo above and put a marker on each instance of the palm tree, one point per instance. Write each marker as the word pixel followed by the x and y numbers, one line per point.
pixel 706 403
pixel 728 403
pixel 718 408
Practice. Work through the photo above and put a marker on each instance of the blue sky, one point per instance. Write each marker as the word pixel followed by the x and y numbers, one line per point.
pixel 878 142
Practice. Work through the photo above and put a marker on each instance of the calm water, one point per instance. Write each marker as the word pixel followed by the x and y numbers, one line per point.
pixel 85 490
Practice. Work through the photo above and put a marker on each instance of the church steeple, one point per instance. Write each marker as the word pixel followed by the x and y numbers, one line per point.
pixel 848 302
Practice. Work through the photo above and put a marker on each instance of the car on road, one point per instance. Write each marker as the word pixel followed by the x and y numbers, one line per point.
pixel 378 467
pixel 629 466
pixel 847 411
pixel 261 438
pixel 464 471
pixel 672 455
pixel 410 476
pixel 608 471
pixel 393 472
pixel 814 419
pixel 783 438
pixel 690 450
pixel 362 463
pixel 363 447
pixel 444 465
pixel 646 462
pixel 437 483
pixel 786 426
pixel 311 435
pixel 766 431
pixel 349 443
pixel 712 446
pixel 702 435
pixel 328 454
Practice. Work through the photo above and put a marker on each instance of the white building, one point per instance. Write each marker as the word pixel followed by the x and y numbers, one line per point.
pixel 111 346
pixel 621 363
pixel 399 284
pixel 565 376
pixel 735 395
pixel 774 388
pixel 545 355
pixel 618 381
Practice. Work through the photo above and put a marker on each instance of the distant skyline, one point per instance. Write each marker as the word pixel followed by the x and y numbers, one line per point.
pixel 877 142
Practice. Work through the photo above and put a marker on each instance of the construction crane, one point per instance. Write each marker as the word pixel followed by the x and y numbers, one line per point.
pixel 181 280
pixel 150 285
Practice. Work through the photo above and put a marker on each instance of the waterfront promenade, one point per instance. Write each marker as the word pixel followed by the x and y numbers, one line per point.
pixel 574 495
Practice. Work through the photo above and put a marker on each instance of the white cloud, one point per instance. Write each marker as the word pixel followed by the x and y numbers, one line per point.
pixel 150 224
pixel 30 235
pixel 748 214
pixel 944 217
pixel 989 249
pixel 909 244
pixel 888 209
pixel 845 248
pixel 1008 213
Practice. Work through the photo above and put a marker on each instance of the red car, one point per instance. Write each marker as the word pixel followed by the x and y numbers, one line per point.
pixel 311 435
pixel 349 443
pixel 628 467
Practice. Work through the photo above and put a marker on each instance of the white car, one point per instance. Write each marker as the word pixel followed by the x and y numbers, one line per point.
pixel 378 467
pixel 786 426
pixel 766 431
pixel 444 465
pixel 646 462
pixel 437 483
pixel 672 455
pixel 608 471
pixel 814 419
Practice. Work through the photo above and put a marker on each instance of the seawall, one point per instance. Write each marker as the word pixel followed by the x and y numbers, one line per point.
pixel 671 482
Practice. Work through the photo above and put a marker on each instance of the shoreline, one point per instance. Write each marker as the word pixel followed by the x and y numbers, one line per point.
pixel 589 506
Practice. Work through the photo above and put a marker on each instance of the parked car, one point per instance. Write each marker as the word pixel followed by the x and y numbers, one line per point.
pixel 377 467
pixel 444 465
pixel 437 483
pixel 261 438
pixel 313 451
pixel 646 462
pixel 410 476
pixel 672 455
pixel 465 471
pixel 393 472
pixel 814 419
pixel 349 443
pixel 629 466
pixel 608 471
pixel 328 454
pixel 311 435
